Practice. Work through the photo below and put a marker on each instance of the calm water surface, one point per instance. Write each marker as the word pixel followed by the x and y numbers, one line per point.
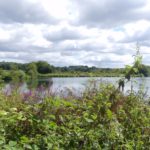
pixel 78 84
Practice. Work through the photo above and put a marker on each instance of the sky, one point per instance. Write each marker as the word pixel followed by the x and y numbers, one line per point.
pixel 101 33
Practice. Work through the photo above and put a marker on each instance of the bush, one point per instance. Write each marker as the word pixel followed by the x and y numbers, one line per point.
pixel 101 119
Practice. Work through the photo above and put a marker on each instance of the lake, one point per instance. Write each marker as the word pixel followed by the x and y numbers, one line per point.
pixel 78 84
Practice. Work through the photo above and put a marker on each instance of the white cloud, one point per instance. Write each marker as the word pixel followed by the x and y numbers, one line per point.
pixel 66 32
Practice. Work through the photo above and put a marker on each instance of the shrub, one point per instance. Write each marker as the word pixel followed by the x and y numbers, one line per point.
pixel 107 119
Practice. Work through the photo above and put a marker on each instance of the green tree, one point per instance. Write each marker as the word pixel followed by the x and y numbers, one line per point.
pixel 143 70
pixel 1 74
pixel 17 75
pixel 32 71
pixel 43 67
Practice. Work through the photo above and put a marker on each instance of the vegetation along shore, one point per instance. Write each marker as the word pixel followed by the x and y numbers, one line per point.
pixel 101 117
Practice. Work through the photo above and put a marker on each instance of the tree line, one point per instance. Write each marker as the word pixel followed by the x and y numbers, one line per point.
pixel 21 71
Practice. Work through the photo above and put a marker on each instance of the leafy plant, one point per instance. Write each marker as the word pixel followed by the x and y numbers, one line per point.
pixel 98 121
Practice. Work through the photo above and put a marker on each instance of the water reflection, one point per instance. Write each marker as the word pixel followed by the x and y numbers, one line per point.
pixel 40 83
pixel 76 85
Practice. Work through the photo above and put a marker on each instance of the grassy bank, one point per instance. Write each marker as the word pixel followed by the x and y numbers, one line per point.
pixel 79 74
pixel 102 118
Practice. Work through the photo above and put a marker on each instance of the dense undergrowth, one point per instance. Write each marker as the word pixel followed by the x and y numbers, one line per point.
pixel 102 118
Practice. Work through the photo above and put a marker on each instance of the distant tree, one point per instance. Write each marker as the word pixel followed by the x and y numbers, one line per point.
pixel 17 75
pixel 32 70
pixel 13 66
pixel 43 67
pixel 64 69
pixel 1 74
pixel 143 70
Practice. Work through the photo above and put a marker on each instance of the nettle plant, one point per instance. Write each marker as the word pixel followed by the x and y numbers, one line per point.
pixel 132 70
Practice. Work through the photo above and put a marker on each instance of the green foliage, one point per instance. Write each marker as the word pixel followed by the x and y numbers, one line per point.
pixel 13 75
pixel 101 119
pixel 17 75
pixel 43 67
pixel 32 71
pixel 1 73
pixel 137 68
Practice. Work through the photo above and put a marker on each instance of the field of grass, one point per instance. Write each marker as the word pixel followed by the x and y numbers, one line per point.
pixel 102 118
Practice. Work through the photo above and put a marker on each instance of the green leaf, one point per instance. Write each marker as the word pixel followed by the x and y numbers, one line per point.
pixel 1 142
pixel 12 143
pixel 135 70
pixel 88 120
pixel 3 113
pixel 109 114
pixel 27 146
pixel 24 139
